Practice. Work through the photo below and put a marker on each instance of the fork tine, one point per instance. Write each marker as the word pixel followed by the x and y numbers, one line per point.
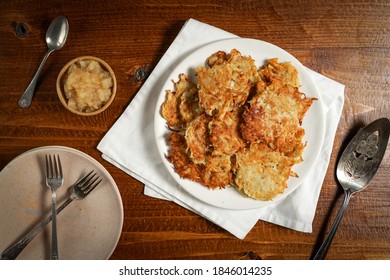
pixel 49 167
pixel 87 182
pixel 81 183
pixel 92 186
pixel 59 167
pixel 55 167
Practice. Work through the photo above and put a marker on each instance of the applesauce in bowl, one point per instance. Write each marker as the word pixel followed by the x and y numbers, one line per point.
pixel 86 85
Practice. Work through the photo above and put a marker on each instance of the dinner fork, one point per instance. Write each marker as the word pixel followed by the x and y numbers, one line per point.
pixel 79 191
pixel 54 180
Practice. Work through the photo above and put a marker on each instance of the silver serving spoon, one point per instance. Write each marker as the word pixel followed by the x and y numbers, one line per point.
pixel 357 166
pixel 55 39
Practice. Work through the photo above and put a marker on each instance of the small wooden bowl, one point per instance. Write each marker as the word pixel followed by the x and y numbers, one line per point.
pixel 61 81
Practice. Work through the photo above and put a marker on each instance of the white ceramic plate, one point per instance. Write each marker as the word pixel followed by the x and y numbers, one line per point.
pixel 313 122
pixel 87 229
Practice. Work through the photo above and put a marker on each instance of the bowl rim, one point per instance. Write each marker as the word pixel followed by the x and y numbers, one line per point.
pixel 61 93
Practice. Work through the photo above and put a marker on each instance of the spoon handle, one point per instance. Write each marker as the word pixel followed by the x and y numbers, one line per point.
pixel 26 98
pixel 321 253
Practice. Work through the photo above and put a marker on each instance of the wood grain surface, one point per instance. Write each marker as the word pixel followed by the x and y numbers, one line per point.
pixel 348 41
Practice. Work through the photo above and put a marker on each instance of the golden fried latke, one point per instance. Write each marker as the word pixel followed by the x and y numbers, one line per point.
pixel 217 172
pixel 227 83
pixel 275 115
pixel 225 135
pixel 261 172
pixel 177 104
pixel 180 159
pixel 285 72
pixel 216 58
pixel 197 139
pixel 189 105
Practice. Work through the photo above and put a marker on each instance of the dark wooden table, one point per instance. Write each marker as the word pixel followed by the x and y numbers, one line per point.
pixel 347 41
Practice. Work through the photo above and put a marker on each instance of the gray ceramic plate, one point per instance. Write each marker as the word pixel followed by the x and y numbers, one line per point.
pixel 87 229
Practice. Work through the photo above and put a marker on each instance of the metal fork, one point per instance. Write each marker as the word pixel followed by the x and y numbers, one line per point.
pixel 79 191
pixel 54 180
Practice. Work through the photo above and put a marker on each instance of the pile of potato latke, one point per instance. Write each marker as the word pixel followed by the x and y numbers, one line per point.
pixel 237 125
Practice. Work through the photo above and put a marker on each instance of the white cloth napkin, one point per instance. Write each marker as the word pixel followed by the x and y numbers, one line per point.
pixel 130 145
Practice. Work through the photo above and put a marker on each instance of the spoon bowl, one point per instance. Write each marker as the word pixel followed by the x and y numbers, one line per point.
pixel 56 36
pixel 57 33
pixel 357 166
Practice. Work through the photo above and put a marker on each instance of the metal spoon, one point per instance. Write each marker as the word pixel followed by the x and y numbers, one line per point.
pixel 357 166
pixel 55 39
